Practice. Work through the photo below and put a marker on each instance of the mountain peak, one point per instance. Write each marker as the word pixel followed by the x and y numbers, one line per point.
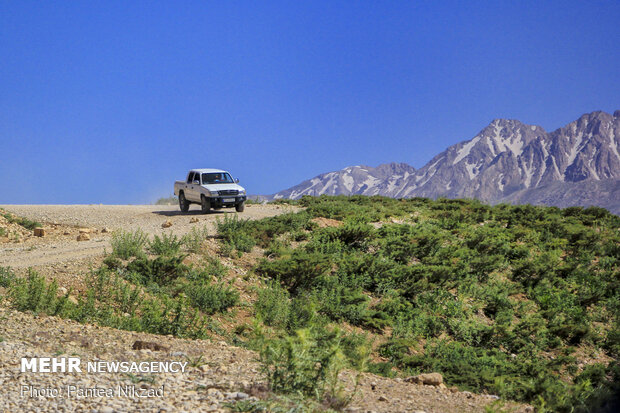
pixel 504 158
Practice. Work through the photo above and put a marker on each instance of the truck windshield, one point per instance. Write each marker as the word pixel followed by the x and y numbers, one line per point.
pixel 217 178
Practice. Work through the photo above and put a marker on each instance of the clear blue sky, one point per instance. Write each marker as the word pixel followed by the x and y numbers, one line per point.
pixel 111 101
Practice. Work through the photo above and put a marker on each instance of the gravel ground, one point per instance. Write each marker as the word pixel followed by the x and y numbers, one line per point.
pixel 217 373
pixel 62 224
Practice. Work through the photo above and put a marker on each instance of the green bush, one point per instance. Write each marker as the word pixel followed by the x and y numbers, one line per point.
pixel 235 234
pixel 127 244
pixel 34 294
pixel 303 364
pixel 192 241
pixel 210 298
pixel 272 305
pixel 167 244
pixel 300 271
pixel 161 270
pixel 6 277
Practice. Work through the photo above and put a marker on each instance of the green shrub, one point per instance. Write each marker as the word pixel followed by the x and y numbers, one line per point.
pixel 161 270
pixel 235 234
pixel 298 272
pixel 211 298
pixel 272 305
pixel 127 244
pixel 6 276
pixel 34 294
pixel 192 241
pixel 303 364
pixel 167 244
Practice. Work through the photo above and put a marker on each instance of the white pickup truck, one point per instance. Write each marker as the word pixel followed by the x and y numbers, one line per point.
pixel 211 188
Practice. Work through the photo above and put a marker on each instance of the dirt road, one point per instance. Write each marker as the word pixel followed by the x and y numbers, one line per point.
pixel 62 223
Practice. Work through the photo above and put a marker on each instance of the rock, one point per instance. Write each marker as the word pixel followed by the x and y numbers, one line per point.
pixel 241 395
pixel 352 409
pixel 214 392
pixel 468 394
pixel 431 379
pixel 166 224
pixel 194 220
pixel 66 233
pixel 105 230
pixel 178 354
pixel 106 409
pixel 493 397
pixel 62 290
pixel 73 299
pixel 383 399
pixel 149 345
pixel 84 230
pixel 39 232
pixel 83 237
pixel 454 389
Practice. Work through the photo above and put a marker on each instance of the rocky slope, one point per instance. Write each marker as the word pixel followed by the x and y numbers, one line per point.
pixel 507 161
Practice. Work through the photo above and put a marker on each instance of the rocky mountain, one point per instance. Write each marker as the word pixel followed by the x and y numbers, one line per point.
pixel 365 180
pixel 508 161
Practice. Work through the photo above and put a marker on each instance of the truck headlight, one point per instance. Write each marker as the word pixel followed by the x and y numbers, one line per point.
pixel 242 192
pixel 214 193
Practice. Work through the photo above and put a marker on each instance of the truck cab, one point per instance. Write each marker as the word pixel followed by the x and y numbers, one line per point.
pixel 210 188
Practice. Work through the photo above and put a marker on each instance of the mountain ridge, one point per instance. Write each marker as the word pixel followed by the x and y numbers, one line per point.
pixel 507 161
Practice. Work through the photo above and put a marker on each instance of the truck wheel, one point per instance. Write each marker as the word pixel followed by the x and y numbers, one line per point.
pixel 240 207
pixel 183 204
pixel 205 204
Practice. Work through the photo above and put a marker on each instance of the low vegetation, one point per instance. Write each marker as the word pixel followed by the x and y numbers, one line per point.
pixel 518 301
pixel 143 285
pixel 24 222
pixel 171 200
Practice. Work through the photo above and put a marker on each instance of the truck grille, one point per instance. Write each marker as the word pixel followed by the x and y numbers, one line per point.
pixel 229 192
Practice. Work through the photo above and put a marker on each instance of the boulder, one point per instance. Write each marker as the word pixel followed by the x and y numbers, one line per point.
pixel 83 237
pixel 431 379
pixel 39 232
pixel 149 345
pixel 166 224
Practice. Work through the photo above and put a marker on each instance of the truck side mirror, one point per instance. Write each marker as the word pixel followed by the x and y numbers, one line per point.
pixel 236 180
pixel 196 182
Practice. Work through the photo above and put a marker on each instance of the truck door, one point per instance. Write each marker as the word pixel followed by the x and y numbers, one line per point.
pixel 191 189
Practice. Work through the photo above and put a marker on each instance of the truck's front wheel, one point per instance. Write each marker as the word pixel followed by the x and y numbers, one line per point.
pixel 205 204
pixel 183 204
pixel 240 206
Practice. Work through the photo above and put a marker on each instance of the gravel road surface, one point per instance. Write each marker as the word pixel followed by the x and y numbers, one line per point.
pixel 44 251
